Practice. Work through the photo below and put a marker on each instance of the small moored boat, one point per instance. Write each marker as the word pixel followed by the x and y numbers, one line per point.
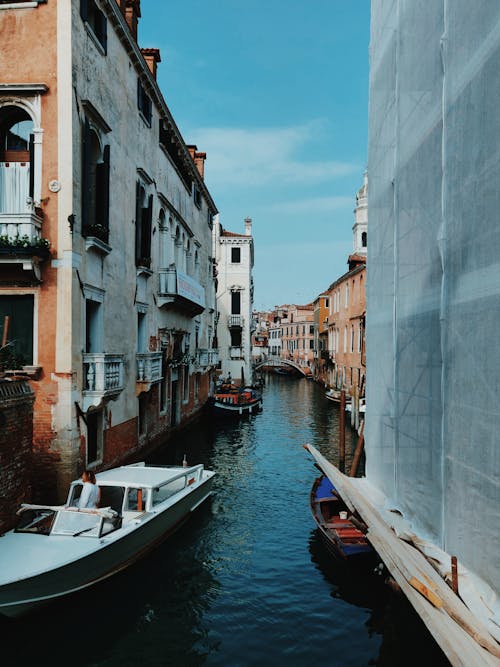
pixel 57 550
pixel 233 400
pixel 338 528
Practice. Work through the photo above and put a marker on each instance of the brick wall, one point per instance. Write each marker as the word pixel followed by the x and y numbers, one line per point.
pixel 16 432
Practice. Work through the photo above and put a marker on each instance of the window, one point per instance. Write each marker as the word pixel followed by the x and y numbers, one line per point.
pixel 141 332
pixel 144 104
pixel 143 223
pixel 235 255
pixel 143 413
pixel 311 344
pixel 196 196
pixel 95 185
pixel 235 337
pixel 311 329
pixel 93 326
pixel 185 384
pixel 19 310
pixel 16 159
pixel 164 382
pixel 95 20
pixel 169 142
pixel 235 303
pixel 94 436
pixel 364 239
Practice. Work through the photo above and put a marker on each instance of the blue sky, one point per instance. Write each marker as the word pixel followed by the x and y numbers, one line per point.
pixel 276 93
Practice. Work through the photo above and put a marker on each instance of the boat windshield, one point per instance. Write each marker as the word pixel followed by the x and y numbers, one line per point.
pixel 36 521
pixel 69 522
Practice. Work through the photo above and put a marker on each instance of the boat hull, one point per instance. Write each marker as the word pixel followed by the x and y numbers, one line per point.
pixel 115 552
pixel 237 409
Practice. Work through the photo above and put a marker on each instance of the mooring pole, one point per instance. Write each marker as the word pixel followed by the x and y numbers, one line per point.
pixel 342 432
pixel 358 451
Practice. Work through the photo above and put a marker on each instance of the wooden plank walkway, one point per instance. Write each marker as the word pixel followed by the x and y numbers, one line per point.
pixel 463 638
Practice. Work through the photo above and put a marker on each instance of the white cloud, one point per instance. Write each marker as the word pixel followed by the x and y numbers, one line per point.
pixel 265 156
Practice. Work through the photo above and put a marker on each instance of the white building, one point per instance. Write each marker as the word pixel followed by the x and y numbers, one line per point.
pixel 234 254
pixel 360 227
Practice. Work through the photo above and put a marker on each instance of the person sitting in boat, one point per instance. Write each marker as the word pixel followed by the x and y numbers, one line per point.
pixel 91 493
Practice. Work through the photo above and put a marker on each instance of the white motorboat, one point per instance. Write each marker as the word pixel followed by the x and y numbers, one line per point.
pixel 57 550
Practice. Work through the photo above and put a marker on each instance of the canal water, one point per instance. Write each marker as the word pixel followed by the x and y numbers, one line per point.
pixel 246 581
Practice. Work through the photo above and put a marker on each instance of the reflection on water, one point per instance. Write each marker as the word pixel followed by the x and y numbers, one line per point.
pixel 246 582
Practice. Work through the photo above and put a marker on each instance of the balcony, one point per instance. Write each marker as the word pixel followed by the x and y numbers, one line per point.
pixel 207 358
pixel 103 377
pixel 236 353
pixel 234 321
pixel 179 291
pixel 148 370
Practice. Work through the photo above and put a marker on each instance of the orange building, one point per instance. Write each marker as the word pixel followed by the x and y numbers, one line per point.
pixel 297 335
pixel 346 363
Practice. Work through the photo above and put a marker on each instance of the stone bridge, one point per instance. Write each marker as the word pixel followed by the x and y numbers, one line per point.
pixel 278 362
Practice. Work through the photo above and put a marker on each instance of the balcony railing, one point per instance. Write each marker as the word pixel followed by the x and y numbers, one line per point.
pixel 149 367
pixel 206 358
pixel 235 320
pixel 178 290
pixel 103 376
pixel 236 353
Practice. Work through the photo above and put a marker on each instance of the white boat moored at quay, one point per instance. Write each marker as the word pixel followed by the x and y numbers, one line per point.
pixel 57 550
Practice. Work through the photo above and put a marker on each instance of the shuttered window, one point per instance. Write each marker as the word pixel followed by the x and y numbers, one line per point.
pixel 96 21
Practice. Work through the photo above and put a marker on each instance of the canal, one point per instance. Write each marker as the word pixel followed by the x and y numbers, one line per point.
pixel 246 582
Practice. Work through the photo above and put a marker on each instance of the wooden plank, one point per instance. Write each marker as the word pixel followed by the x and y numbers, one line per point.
pixel 460 634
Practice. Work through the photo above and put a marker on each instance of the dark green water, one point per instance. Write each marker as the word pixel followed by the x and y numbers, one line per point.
pixel 246 581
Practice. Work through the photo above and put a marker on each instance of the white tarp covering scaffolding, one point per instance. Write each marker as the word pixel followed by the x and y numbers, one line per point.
pixel 433 289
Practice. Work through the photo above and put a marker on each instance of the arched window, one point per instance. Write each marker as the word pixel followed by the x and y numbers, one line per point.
pixel 364 239
pixel 16 160
pixel 164 240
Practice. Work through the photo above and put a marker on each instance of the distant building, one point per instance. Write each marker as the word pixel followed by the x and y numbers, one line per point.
pixel 297 335
pixel 346 356
pixel 321 356
pixel 235 257
pixel 260 336
pixel 107 292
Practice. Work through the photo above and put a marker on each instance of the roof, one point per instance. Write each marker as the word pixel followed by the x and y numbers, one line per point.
pixel 145 476
pixel 234 235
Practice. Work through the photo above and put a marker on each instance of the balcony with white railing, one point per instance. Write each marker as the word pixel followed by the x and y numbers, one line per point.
pixel 177 290
pixel 20 221
pixel 148 369
pixel 103 377
pixel 235 321
pixel 206 358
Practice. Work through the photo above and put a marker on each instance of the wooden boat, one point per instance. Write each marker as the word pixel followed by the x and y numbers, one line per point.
pixel 57 550
pixel 340 531
pixel 236 401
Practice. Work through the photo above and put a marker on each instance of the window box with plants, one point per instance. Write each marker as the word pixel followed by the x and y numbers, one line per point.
pixel 24 246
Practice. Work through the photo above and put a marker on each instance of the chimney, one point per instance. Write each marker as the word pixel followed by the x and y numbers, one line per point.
pixel 132 15
pixel 248 226
pixel 198 159
pixel 152 58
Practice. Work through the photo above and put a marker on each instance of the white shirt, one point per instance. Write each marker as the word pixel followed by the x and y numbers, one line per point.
pixel 89 496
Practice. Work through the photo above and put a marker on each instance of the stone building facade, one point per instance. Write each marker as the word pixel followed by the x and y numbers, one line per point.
pixel 106 265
